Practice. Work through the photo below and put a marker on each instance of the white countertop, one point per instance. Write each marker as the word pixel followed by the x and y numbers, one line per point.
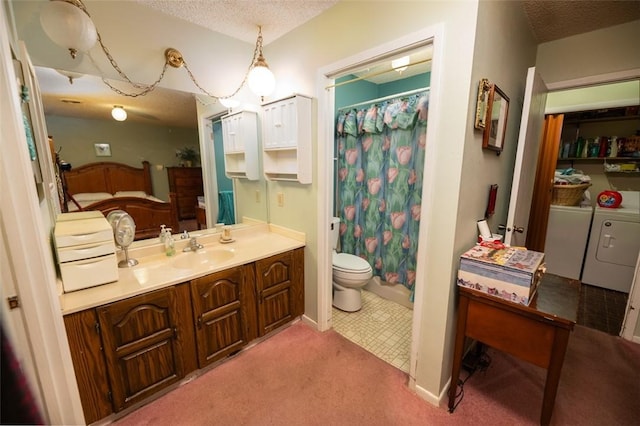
pixel 155 270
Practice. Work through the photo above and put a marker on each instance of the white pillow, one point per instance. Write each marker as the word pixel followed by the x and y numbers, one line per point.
pixel 139 194
pixel 91 196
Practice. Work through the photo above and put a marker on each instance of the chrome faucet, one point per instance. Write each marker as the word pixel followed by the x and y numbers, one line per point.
pixel 193 245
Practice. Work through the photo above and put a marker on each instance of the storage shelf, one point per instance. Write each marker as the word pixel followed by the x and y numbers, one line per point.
pixel 240 141
pixel 281 148
pixel 595 159
pixel 286 139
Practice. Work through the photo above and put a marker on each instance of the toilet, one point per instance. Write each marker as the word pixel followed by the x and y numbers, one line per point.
pixel 350 274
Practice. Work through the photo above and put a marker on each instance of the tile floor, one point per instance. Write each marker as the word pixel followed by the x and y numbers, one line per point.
pixel 381 327
pixel 602 309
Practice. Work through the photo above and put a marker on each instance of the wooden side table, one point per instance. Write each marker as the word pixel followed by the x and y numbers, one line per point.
pixel 537 333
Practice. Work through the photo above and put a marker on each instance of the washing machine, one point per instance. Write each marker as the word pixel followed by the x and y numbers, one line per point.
pixel 614 243
pixel 566 240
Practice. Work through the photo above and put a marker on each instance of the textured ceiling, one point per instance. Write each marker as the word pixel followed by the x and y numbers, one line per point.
pixel 553 20
pixel 240 19
pixel 550 20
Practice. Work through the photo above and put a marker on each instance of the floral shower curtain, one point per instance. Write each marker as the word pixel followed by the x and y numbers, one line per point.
pixel 381 150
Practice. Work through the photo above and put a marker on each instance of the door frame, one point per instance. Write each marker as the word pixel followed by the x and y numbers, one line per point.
pixel 326 111
pixel 30 259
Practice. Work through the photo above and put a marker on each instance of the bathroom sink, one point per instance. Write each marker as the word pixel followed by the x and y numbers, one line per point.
pixel 203 257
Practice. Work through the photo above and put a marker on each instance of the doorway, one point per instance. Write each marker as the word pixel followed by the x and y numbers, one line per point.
pixel 599 308
pixel 331 79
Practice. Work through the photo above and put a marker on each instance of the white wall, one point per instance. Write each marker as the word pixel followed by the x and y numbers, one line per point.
pixel 131 143
pixel 610 50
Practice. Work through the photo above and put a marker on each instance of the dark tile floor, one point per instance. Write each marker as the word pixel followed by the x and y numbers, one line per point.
pixel 602 309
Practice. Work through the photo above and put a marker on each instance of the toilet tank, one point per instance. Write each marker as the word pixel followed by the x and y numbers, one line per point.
pixel 335 232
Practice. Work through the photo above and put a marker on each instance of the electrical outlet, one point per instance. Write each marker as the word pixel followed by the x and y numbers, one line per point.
pixel 280 199
pixel 257 196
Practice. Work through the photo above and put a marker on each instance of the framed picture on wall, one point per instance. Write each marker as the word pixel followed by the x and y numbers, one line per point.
pixel 496 121
pixel 102 149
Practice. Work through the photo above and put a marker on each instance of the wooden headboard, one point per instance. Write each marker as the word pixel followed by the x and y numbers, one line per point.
pixel 108 177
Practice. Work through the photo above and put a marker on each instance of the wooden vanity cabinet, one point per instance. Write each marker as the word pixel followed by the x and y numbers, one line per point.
pixel 280 289
pixel 222 313
pixel 148 343
pixel 125 351
pixel 85 343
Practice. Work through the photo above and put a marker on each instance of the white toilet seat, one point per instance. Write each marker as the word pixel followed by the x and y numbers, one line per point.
pixel 350 263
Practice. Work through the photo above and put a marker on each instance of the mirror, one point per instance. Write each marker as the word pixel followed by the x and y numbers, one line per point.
pixel 158 125
pixel 496 119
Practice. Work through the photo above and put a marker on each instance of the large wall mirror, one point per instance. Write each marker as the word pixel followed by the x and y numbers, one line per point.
pixel 158 127
pixel 78 104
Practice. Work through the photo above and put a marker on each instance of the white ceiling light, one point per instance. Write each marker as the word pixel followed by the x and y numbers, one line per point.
pixel 68 25
pixel 261 80
pixel 118 113
pixel 400 64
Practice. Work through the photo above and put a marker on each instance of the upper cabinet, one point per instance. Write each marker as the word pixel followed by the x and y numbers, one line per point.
pixel 286 139
pixel 240 140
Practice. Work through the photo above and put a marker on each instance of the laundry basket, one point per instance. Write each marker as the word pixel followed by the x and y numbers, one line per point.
pixel 568 195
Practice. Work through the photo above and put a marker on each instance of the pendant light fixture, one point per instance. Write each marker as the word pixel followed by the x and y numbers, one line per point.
pixel 118 113
pixel 261 80
pixel 68 23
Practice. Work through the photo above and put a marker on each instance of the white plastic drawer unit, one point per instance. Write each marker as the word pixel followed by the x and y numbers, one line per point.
pixel 85 251
pixel 89 272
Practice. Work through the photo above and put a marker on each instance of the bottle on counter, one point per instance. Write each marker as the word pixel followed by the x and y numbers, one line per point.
pixel 169 243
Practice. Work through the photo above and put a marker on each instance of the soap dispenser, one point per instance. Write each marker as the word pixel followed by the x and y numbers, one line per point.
pixel 163 233
pixel 169 243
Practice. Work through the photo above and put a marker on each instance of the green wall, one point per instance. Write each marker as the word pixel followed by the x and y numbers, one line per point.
pixel 130 142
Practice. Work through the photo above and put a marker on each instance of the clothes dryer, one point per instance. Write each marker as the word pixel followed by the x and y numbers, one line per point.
pixel 566 240
pixel 614 243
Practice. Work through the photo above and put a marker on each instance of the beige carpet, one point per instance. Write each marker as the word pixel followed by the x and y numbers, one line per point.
pixel 303 377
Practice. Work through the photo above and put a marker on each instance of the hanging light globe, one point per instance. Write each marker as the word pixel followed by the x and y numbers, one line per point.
pixel 68 26
pixel 261 80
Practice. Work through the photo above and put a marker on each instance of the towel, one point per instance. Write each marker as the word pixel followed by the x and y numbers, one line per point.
pixel 226 213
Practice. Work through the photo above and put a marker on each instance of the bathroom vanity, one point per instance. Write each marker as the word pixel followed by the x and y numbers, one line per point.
pixel 168 317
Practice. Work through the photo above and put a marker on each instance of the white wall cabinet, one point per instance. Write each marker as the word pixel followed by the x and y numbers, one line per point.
pixel 286 139
pixel 240 140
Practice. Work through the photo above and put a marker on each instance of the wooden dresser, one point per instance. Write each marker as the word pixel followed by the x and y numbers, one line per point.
pixel 186 183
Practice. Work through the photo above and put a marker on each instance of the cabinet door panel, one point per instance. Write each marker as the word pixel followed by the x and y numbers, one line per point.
pixel 141 345
pixel 89 364
pixel 218 309
pixel 279 284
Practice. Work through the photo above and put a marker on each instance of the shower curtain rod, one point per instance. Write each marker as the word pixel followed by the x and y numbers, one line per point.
pixel 385 98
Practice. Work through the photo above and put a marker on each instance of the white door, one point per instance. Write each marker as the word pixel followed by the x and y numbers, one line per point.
pixel 524 171
pixel 629 325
